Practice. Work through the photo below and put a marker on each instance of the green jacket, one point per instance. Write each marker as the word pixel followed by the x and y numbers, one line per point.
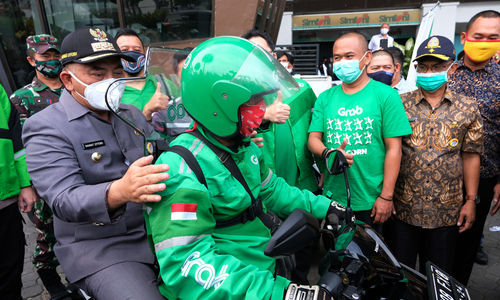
pixel 285 145
pixel 198 261
pixel 13 171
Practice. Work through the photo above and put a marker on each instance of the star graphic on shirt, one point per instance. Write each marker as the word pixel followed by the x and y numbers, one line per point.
pixel 368 138
pixel 347 125
pixel 358 123
pixel 337 138
pixel 357 138
pixel 338 125
pixel 330 137
pixel 368 123
pixel 347 138
pixel 330 121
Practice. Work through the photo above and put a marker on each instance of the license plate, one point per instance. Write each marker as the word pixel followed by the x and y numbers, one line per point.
pixel 442 286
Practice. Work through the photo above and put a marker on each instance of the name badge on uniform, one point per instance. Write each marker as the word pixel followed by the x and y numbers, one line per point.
pixel 92 145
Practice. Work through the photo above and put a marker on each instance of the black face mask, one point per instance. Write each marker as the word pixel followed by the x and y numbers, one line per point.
pixel 133 67
pixel 382 76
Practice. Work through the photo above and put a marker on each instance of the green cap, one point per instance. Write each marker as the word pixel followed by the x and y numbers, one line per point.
pixel 41 43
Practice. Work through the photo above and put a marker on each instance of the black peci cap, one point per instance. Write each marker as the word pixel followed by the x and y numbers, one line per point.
pixel 89 44
pixel 436 46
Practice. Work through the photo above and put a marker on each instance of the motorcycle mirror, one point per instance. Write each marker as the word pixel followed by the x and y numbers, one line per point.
pixel 297 231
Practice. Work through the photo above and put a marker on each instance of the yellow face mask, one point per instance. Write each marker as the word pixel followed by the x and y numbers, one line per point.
pixel 481 50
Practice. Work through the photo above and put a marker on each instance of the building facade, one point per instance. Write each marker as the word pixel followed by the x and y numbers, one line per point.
pixel 321 21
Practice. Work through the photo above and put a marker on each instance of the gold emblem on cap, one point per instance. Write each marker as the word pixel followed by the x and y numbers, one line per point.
pixel 96 156
pixel 433 43
pixel 98 34
pixel 149 147
pixel 136 132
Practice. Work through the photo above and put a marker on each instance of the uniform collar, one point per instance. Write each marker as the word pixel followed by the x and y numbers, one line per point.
pixel 74 109
pixel 38 85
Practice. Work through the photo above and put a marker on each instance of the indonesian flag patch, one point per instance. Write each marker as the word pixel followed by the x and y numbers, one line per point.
pixel 183 211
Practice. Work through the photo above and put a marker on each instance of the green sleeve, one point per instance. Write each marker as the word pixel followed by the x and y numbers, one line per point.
pixel 283 199
pixel 394 120
pixel 318 113
pixel 18 147
pixel 191 265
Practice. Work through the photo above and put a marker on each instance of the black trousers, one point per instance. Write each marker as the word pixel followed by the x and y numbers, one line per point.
pixel 11 252
pixel 365 216
pixel 435 245
pixel 468 241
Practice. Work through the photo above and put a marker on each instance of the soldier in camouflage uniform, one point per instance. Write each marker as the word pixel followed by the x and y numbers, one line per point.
pixel 44 54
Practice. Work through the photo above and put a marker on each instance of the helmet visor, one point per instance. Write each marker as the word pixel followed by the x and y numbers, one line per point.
pixel 264 77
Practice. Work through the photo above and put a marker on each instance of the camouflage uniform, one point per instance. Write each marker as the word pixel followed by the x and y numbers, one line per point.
pixel 29 100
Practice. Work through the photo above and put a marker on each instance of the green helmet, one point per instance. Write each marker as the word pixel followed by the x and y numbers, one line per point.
pixel 223 73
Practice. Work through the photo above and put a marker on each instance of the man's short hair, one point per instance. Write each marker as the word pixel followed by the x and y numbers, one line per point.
pixel 257 33
pixel 483 14
pixel 359 36
pixel 383 52
pixel 288 55
pixel 397 55
pixel 129 32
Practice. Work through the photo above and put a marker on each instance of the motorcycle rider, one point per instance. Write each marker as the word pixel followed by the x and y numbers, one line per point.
pixel 206 239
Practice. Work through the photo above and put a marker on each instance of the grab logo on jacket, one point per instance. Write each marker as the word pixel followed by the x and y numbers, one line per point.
pixel 205 273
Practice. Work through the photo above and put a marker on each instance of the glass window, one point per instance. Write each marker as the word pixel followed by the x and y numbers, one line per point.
pixel 18 20
pixel 64 16
pixel 169 20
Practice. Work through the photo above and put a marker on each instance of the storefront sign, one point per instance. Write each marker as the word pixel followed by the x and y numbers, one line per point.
pixel 362 19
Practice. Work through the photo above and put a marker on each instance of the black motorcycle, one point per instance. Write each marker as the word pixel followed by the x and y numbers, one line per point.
pixel 358 264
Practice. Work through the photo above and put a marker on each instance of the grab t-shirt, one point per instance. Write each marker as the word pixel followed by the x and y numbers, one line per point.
pixel 363 119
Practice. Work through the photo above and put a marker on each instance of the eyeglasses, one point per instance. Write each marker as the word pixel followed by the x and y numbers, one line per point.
pixel 421 68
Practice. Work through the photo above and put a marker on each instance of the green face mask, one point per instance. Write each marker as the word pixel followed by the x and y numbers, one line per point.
pixel 49 68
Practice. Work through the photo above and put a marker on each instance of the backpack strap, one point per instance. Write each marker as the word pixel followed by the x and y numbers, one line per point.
pixel 191 162
pixel 255 209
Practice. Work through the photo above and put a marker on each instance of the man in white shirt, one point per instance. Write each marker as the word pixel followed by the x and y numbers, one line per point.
pixel 398 81
pixel 382 40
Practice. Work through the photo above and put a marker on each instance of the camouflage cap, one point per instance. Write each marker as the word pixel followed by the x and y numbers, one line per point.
pixel 41 43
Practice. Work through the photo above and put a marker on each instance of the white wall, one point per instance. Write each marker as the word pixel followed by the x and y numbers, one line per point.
pixel 465 11
pixel 444 19
pixel 285 33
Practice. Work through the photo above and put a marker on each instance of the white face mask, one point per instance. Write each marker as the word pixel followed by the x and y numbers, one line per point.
pixel 384 30
pixel 95 93
pixel 285 65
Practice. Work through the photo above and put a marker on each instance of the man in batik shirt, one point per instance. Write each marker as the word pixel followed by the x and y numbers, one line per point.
pixel 439 157
pixel 478 76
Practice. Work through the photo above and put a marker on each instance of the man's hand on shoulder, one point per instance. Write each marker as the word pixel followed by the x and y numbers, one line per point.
pixel 139 184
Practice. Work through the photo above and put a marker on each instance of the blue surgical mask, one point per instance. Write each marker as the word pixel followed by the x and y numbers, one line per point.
pixel 133 67
pixel 432 81
pixel 348 70
pixel 382 76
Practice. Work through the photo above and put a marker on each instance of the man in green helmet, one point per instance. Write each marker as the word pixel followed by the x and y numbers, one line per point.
pixel 209 238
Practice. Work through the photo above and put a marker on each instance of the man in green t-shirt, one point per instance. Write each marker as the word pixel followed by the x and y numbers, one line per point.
pixel 368 119
pixel 145 94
